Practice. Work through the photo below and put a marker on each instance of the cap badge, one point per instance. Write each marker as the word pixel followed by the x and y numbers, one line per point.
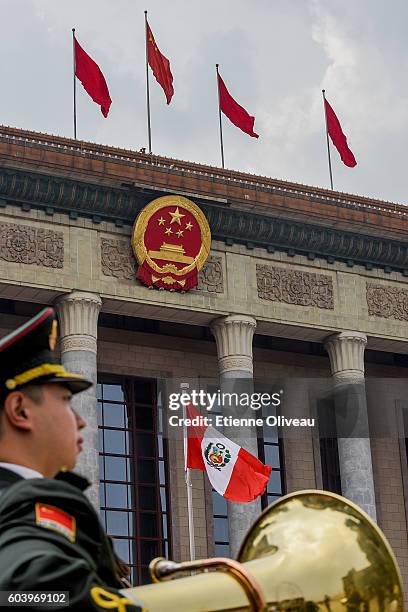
pixel 53 335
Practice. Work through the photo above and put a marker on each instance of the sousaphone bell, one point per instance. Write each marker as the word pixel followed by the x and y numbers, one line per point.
pixel 310 551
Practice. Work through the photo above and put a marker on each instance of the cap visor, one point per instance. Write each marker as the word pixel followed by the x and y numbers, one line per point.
pixel 75 385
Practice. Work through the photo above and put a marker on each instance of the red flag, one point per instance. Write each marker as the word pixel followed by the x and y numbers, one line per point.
pixel 91 77
pixel 160 65
pixel 235 113
pixel 337 137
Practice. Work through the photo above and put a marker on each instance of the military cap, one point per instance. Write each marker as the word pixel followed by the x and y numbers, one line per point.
pixel 27 357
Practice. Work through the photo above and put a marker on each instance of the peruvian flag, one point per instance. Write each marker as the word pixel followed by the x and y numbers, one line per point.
pixel 233 472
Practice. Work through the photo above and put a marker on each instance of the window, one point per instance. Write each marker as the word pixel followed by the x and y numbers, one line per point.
pixel 329 453
pixel 403 410
pixel 270 453
pixel 133 472
pixel 221 535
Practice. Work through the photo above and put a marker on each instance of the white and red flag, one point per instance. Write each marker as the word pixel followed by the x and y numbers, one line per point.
pixel 233 472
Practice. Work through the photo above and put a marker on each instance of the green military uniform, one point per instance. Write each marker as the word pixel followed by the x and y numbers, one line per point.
pixel 45 555
pixel 51 537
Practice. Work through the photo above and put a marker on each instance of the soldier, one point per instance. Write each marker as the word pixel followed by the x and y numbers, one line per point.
pixel 51 537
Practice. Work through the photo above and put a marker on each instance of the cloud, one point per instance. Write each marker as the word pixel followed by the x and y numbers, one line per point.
pixel 275 58
pixel 361 76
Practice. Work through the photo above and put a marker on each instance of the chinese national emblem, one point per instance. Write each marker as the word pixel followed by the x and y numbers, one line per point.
pixel 217 455
pixel 171 240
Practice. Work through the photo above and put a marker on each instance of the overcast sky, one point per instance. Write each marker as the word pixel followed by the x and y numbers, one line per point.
pixel 275 57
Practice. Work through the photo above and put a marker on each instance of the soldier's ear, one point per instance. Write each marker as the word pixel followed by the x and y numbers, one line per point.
pixel 17 412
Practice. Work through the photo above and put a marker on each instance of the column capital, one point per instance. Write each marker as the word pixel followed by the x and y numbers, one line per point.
pixel 346 353
pixel 78 313
pixel 233 335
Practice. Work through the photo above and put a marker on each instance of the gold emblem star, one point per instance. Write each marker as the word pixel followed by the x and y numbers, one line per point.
pixel 189 226
pixel 176 216
pixel 168 231
pixel 161 221
pixel 180 233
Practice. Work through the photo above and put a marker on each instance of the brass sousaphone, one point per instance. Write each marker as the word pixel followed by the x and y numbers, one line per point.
pixel 311 551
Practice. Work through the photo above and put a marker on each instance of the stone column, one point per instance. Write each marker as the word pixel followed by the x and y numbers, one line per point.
pixel 346 352
pixel 233 335
pixel 78 316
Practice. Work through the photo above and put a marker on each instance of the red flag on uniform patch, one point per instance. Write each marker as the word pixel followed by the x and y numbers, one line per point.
pixel 159 64
pixel 233 472
pixel 235 113
pixel 91 77
pixel 337 137
pixel 56 519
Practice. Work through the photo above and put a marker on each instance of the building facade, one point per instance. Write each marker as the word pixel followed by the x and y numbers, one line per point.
pixel 302 284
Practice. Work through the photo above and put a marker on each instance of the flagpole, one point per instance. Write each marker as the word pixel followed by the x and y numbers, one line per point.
pixel 189 484
pixel 219 113
pixel 74 66
pixel 327 138
pixel 149 129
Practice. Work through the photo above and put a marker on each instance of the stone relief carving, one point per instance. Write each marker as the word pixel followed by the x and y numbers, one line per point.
pixel 31 245
pixel 226 364
pixel 118 261
pixel 387 302
pixel 294 287
pixel 210 277
pixel 237 226
pixel 78 343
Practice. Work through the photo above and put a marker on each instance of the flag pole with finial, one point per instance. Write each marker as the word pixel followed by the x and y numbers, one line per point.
pixel 149 129
pixel 327 138
pixel 220 118
pixel 187 472
pixel 74 66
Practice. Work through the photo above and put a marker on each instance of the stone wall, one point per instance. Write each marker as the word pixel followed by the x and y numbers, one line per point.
pixel 289 295
pixel 293 296
pixel 146 355
pixel 391 512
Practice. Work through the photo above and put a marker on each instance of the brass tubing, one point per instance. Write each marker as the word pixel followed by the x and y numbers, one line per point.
pixel 161 570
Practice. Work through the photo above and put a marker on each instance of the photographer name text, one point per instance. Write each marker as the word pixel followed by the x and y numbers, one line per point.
pixel 219 420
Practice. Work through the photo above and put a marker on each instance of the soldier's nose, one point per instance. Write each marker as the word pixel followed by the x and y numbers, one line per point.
pixel 81 423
